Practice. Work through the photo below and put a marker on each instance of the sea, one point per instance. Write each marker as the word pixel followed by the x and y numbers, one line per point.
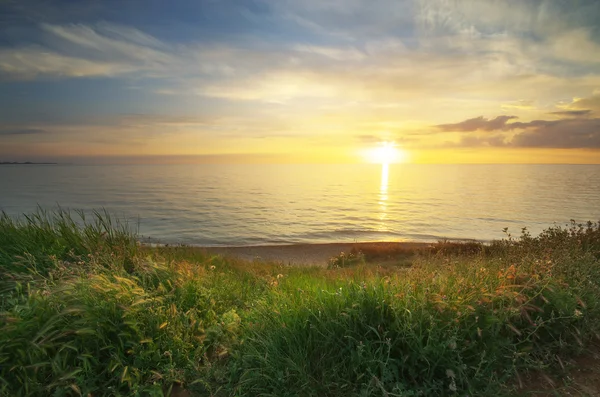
pixel 244 205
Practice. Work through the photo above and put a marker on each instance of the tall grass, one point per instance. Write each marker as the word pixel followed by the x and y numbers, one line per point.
pixel 85 311
pixel 442 328
pixel 38 240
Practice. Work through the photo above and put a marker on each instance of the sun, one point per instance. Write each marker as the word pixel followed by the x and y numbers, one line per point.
pixel 386 153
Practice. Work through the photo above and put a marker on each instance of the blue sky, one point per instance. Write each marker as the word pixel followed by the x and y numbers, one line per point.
pixel 456 81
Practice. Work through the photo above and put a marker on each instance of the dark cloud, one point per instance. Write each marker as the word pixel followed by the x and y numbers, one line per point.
pixel 577 131
pixel 573 113
pixel 567 133
pixel 479 124
pixel 22 131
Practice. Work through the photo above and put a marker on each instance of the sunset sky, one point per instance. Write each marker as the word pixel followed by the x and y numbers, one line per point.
pixel 479 81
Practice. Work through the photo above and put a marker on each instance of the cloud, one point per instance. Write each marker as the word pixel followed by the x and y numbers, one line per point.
pixel 158 120
pixel 576 132
pixel 592 103
pixel 104 49
pixel 496 140
pixel 21 131
pixel 522 104
pixel 347 20
pixel 28 63
pixel 576 46
pixel 335 53
pixel 109 50
pixel 479 124
pixel 108 42
pixel 574 113
pixel 82 51
pixel 566 133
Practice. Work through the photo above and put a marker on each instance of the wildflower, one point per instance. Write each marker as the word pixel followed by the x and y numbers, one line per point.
pixel 578 313
pixel 213 267
pixel 450 374
pixel 452 386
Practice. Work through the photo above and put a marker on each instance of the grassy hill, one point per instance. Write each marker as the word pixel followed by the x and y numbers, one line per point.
pixel 86 310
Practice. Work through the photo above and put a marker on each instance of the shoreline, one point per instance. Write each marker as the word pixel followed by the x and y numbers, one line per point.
pixel 307 254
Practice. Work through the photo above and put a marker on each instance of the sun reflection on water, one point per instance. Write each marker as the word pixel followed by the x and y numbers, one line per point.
pixel 383 197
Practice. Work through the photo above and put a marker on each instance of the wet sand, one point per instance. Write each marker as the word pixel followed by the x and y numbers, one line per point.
pixel 305 254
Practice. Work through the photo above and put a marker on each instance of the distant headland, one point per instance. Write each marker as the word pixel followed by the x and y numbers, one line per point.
pixel 22 163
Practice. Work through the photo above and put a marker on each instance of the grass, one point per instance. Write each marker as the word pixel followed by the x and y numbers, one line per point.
pixel 85 310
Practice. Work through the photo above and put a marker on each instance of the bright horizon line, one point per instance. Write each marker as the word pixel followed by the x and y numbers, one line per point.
pixel 364 156
pixel 147 160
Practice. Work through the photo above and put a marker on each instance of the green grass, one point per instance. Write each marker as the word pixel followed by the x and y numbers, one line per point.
pixel 84 310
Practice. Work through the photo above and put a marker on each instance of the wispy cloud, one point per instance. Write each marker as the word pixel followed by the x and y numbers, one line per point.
pixel 83 51
pixel 104 49
pixel 522 104
pixel 574 113
pixel 22 131
pixel 499 123
pixel 28 63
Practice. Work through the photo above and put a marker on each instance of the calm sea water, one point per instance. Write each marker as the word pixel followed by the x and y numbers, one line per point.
pixel 276 204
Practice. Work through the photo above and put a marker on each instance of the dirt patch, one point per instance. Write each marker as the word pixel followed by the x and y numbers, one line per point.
pixel 315 254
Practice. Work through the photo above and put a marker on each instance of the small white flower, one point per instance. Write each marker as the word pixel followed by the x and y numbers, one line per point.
pixel 452 385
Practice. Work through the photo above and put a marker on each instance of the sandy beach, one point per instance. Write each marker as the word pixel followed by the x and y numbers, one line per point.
pixel 307 254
